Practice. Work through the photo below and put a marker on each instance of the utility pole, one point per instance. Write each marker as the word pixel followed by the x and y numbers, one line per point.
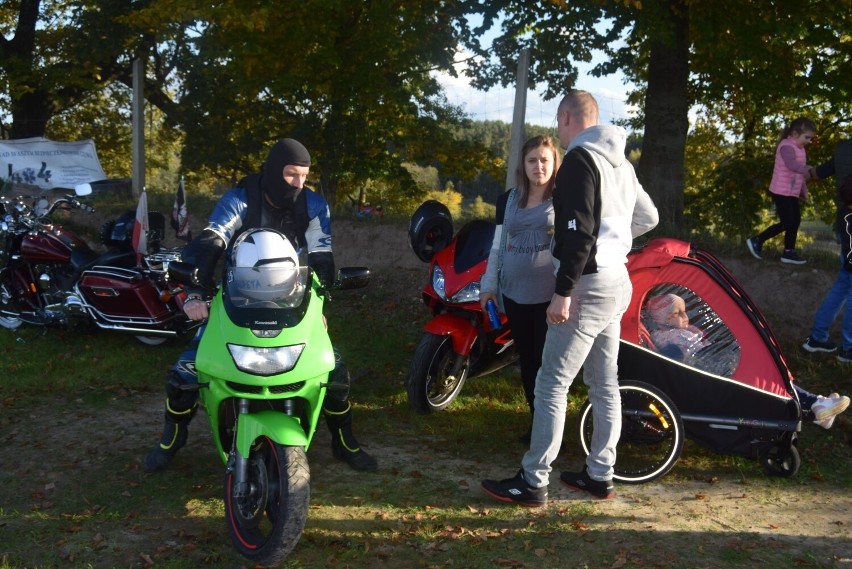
pixel 138 117
pixel 518 116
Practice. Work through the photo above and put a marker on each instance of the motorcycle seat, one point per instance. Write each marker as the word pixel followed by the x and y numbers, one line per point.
pixel 82 260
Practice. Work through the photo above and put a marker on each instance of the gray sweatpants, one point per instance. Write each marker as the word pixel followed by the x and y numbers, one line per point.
pixel 588 340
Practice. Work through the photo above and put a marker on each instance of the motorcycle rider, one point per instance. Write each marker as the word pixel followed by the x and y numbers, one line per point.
pixel 274 198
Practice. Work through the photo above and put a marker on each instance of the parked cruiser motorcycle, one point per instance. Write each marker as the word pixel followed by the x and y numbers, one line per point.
pixel 458 342
pixel 263 368
pixel 49 276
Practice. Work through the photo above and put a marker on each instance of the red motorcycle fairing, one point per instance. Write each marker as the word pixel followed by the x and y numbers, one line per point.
pixel 460 330
pixel 54 246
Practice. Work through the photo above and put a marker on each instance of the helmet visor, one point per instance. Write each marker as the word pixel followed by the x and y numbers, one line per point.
pixel 278 285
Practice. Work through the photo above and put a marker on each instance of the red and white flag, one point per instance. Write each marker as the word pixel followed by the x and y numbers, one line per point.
pixel 140 228
pixel 180 217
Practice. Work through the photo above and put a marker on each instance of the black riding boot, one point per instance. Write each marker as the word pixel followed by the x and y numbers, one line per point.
pixel 344 446
pixel 175 433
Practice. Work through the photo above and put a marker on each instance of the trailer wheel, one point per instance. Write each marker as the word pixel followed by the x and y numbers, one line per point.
pixel 782 462
pixel 652 433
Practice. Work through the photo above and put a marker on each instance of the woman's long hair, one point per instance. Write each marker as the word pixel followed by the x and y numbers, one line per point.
pixel 521 180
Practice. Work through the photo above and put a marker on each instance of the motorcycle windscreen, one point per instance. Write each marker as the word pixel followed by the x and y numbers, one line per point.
pixel 266 297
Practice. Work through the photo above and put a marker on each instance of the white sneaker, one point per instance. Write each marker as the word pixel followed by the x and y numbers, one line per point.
pixel 826 423
pixel 828 407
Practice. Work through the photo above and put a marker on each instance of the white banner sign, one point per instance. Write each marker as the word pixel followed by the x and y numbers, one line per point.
pixel 48 164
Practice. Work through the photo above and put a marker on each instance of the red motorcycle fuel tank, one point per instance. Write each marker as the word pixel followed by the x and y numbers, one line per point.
pixel 54 245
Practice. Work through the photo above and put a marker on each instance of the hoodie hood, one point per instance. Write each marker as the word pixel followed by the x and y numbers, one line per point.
pixel 607 140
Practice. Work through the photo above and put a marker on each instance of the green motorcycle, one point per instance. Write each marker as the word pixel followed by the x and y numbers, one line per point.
pixel 263 368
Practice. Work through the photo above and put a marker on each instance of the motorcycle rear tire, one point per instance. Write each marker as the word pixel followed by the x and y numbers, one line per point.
pixel 266 525
pixel 430 387
pixel 152 340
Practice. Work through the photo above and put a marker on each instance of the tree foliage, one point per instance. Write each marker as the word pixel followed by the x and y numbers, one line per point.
pixel 750 71
pixel 53 55
pixel 355 82
pixel 351 80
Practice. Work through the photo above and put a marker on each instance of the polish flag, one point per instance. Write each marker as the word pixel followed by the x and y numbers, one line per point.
pixel 140 228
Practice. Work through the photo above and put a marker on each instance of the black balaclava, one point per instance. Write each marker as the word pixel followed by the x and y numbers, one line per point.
pixel 278 192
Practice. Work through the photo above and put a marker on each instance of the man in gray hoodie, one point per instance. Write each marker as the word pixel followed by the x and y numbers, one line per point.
pixel 599 208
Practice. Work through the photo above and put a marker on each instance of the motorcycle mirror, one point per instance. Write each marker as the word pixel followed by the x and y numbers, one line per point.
pixel 83 189
pixel 184 273
pixel 352 277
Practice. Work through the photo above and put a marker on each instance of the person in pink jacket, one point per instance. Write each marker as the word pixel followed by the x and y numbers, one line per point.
pixel 788 187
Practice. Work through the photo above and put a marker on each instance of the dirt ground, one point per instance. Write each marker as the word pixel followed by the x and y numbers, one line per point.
pixel 701 506
pixel 819 518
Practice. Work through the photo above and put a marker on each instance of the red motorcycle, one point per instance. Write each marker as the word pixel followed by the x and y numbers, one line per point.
pixel 459 341
pixel 50 277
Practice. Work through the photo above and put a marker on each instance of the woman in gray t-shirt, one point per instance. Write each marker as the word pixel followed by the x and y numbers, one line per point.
pixel 520 274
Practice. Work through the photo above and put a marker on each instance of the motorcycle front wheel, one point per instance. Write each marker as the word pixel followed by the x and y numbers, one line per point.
pixel 7 322
pixel 436 375
pixel 266 521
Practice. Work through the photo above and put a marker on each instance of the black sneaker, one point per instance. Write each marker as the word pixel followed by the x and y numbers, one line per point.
pixel 812 345
pixel 516 491
pixel 582 481
pixel 791 258
pixel 845 356
pixel 755 247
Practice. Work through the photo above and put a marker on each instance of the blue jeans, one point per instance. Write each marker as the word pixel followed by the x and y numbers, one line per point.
pixel 588 340
pixel 832 304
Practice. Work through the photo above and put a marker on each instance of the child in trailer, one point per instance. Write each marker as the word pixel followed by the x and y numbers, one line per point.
pixel 674 337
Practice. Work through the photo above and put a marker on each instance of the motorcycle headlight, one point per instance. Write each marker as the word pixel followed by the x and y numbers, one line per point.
pixel 470 293
pixel 265 361
pixel 438 282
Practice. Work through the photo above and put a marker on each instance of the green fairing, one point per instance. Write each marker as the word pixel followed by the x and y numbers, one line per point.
pixel 215 367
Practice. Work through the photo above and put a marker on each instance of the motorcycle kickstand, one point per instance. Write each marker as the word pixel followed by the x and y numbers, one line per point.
pixel 39 333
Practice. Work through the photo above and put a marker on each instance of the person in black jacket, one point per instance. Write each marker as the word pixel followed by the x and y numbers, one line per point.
pixel 275 198
pixel 840 294
pixel 839 166
pixel 599 207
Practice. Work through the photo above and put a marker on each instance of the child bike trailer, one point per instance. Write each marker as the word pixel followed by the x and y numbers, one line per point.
pixel 728 388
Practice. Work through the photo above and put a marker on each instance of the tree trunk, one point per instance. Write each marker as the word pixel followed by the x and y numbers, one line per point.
pixel 30 114
pixel 329 184
pixel 661 167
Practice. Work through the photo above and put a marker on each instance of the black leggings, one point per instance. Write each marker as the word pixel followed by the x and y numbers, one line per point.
pixel 529 328
pixel 789 219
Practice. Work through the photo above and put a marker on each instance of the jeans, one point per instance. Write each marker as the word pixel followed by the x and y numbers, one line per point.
pixel 588 340
pixel 832 304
